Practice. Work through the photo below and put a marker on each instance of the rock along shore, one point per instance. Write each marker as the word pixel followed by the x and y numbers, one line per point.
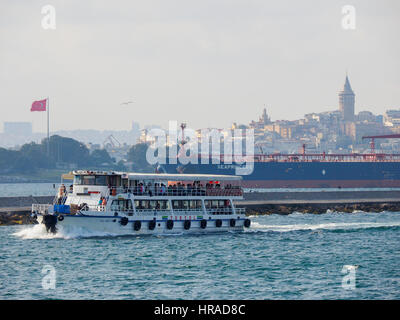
pixel 318 208
pixel 17 210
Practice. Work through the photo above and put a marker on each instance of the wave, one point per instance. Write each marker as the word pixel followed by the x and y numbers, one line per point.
pixel 328 211
pixel 38 231
pixel 72 232
pixel 256 226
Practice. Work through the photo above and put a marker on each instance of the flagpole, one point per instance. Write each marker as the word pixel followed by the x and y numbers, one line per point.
pixel 48 134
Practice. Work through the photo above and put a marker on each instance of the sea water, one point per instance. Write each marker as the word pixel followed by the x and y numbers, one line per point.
pixel 298 256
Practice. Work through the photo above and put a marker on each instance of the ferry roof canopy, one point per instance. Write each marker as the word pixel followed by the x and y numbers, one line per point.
pixel 162 176
pixel 182 177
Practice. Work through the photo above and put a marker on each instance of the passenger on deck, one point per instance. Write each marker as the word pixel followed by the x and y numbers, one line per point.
pixel 173 190
pixel 149 189
pixel 156 189
pixel 189 189
pixel 141 189
pixel 60 194
pixel 163 189
pixel 180 189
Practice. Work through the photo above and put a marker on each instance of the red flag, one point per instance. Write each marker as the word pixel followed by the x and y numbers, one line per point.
pixel 39 105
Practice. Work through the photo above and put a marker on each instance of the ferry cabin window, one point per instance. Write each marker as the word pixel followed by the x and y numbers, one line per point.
pixel 114 181
pixel 180 204
pixel 77 180
pixel 152 205
pixel 217 204
pixel 122 205
pixel 90 180
pixel 101 180
pixel 186 204
pixel 195 204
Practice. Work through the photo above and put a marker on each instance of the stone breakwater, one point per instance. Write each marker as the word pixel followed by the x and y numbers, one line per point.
pixel 259 203
pixel 318 208
pixel 333 195
pixel 8 218
pixel 12 202
pixel 16 210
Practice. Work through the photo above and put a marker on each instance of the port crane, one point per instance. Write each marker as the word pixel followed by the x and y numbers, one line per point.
pixel 111 142
pixel 372 143
pixel 112 145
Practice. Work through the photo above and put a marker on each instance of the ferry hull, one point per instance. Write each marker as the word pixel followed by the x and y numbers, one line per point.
pixel 112 225
pixel 321 184
pixel 305 174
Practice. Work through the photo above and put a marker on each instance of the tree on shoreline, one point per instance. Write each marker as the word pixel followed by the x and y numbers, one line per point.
pixel 33 157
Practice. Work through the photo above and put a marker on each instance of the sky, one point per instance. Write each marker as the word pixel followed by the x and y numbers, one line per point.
pixel 207 63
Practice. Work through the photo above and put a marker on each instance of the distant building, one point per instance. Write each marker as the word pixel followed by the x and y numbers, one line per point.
pixel 18 128
pixel 145 137
pixel 356 130
pixel 262 122
pixel 366 116
pixel 135 126
pixel 283 128
pixel 265 118
pixel 392 118
pixel 346 101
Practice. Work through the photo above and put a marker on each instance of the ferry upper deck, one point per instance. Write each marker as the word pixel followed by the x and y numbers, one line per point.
pixel 156 184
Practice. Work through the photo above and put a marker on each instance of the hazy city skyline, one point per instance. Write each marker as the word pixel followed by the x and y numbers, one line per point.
pixel 207 63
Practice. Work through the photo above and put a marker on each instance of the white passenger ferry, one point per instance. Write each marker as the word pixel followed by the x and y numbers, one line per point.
pixel 137 203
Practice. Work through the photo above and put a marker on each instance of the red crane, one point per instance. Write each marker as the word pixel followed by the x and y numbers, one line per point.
pixel 387 136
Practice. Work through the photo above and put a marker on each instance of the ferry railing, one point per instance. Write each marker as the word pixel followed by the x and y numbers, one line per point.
pixel 153 211
pixel 189 211
pixel 178 192
pixel 85 207
pixel 240 210
pixel 217 211
pixel 224 192
pixel 40 208
pixel 101 207
pixel 121 209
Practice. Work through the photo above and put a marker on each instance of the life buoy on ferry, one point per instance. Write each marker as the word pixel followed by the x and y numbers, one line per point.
pixel 203 223
pixel 186 224
pixel 60 218
pixel 152 225
pixel 170 224
pixel 137 225
pixel 113 192
pixel 218 223
pixel 232 222
pixel 247 223
pixel 84 207
pixel 123 221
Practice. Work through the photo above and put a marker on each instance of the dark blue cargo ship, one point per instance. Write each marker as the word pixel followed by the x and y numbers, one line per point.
pixel 309 171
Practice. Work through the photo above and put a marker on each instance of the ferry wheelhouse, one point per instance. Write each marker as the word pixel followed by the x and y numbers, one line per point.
pixel 138 203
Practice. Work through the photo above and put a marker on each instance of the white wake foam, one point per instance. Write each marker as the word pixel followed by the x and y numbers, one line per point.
pixel 38 231
pixel 323 226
